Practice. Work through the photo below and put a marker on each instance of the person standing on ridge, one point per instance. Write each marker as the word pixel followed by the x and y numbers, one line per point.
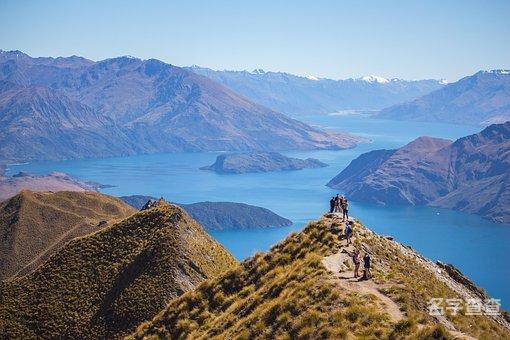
pixel 356 260
pixel 332 203
pixel 348 232
pixel 345 209
pixel 337 203
pixel 366 267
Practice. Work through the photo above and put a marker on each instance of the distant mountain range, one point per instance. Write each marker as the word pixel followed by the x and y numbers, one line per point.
pixel 483 98
pixel 58 108
pixel 471 174
pixel 295 95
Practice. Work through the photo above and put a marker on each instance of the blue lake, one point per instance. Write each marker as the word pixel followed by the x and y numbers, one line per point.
pixel 476 246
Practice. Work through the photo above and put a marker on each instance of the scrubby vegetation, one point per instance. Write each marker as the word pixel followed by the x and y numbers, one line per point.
pixel 35 225
pixel 105 284
pixel 287 293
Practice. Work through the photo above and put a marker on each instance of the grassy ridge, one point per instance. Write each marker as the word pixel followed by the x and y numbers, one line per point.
pixel 287 293
pixel 106 283
pixel 35 225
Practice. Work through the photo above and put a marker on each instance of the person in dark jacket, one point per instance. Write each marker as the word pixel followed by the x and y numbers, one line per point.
pixel 332 204
pixel 366 267
pixel 348 232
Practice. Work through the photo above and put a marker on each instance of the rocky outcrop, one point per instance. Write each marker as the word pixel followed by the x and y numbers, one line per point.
pixel 238 163
pixel 220 215
pixel 471 174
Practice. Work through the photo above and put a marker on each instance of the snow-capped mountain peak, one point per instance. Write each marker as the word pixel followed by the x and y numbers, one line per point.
pixel 312 77
pixel 500 71
pixel 374 79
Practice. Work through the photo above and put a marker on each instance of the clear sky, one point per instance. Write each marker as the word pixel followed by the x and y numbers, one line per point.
pixel 336 39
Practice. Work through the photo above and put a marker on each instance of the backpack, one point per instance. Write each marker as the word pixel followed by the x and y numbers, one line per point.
pixel 348 230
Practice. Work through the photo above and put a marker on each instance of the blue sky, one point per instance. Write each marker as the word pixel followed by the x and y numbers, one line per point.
pixel 335 39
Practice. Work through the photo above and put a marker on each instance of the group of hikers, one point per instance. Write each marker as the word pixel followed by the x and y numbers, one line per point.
pixel 339 204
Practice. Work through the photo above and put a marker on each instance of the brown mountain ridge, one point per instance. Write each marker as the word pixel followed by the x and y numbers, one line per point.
pixel 104 284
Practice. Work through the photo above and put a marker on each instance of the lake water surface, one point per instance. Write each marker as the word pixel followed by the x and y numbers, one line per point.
pixel 476 246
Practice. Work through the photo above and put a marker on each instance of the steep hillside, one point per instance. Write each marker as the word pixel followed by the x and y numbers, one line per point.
pixel 104 284
pixel 471 174
pixel 34 226
pixel 239 163
pixel 126 105
pixel 296 95
pixel 303 288
pixel 222 215
pixel 483 98
pixel 38 123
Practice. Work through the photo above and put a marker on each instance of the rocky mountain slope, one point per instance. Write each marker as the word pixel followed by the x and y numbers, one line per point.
pixel 39 123
pixel 303 288
pixel 72 107
pixel 239 163
pixel 471 174
pixel 295 95
pixel 221 215
pixel 483 98
pixel 104 284
pixel 33 226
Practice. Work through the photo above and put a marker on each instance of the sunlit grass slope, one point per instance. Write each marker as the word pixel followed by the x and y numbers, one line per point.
pixel 105 284
pixel 288 293
pixel 35 225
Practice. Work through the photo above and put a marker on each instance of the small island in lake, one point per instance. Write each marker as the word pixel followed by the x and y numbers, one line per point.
pixel 239 163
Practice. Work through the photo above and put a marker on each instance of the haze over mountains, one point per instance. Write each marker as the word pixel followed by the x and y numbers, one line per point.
pixel 482 98
pixel 471 174
pixel 58 108
pixel 295 95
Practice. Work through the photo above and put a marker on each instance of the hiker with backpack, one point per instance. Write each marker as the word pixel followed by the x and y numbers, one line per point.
pixel 355 255
pixel 348 232
pixel 366 267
